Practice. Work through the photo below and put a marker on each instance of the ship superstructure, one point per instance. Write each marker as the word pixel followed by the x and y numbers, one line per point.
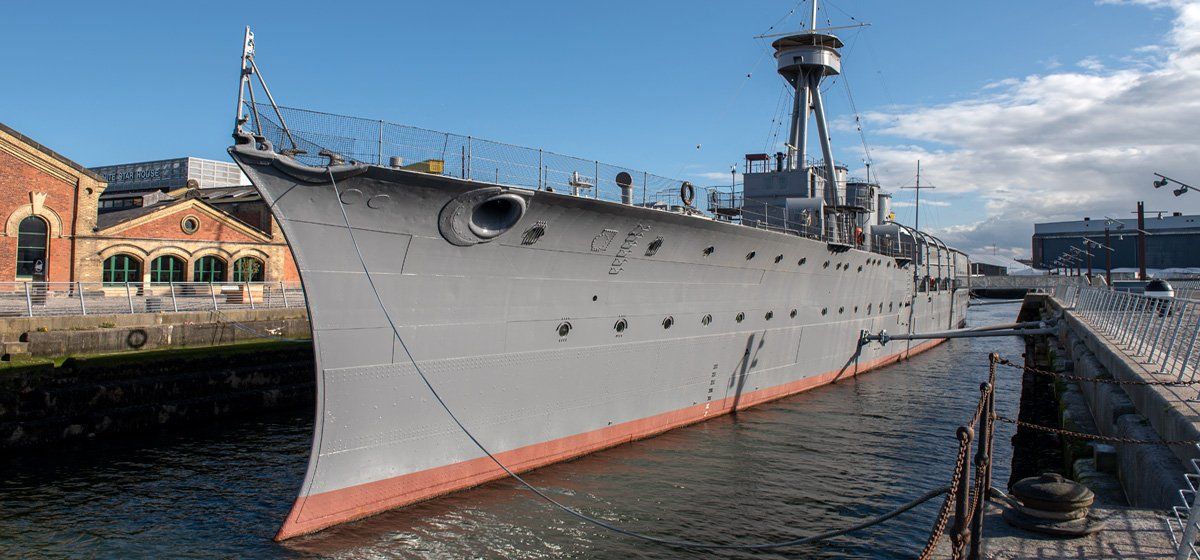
pixel 558 305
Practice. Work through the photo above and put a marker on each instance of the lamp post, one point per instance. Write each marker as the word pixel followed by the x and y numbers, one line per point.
pixel 1108 258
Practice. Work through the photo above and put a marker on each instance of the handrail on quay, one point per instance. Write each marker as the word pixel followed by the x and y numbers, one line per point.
pixel 46 299
pixel 1160 331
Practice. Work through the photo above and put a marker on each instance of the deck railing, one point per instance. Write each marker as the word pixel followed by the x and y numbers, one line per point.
pixel 387 144
pixel 42 299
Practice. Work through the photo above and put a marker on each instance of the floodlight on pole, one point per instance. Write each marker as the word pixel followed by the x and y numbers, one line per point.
pixel 1163 180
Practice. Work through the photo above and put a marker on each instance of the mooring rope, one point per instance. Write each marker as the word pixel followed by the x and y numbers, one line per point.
pixel 567 509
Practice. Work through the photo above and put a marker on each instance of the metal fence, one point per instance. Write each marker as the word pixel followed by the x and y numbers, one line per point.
pixel 1161 332
pixel 43 299
pixel 317 139
pixel 1185 527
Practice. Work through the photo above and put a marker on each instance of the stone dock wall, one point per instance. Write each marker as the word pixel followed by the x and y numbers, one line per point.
pixel 1148 475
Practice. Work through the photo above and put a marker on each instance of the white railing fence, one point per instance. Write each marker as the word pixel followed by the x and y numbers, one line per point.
pixel 43 299
pixel 1159 332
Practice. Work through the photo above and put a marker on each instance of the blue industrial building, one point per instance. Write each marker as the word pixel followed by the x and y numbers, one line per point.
pixel 1172 242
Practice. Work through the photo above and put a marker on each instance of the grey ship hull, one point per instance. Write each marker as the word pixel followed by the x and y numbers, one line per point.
pixel 484 320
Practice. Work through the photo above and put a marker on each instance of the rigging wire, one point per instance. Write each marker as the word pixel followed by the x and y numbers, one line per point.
pixel 567 509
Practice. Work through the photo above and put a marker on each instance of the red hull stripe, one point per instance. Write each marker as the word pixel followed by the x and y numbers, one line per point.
pixel 323 510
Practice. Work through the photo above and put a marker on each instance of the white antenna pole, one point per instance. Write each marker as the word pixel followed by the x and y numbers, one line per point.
pixel 813 23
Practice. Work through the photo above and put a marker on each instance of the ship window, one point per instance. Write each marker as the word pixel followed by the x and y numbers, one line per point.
pixel 706 320
pixel 119 269
pixel 668 322
pixel 841 310
pixel 860 268
pixel 750 255
pixel 740 317
pixel 769 315
pixel 870 306
pixel 621 325
pixel 31 247
pixel 709 250
pixel 824 310
pixel 793 314
pixel 778 258
pixel 802 261
pixel 826 265
pixel 564 329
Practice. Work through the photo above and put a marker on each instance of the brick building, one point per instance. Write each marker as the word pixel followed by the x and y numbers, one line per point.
pixel 61 225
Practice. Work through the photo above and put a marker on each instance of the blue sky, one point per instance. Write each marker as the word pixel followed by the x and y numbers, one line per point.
pixel 633 83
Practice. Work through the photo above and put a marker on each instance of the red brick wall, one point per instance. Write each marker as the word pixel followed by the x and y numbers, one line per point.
pixel 166 226
pixel 17 180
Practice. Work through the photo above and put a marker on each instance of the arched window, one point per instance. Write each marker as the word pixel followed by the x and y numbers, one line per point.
pixel 166 269
pixel 31 247
pixel 208 269
pixel 248 269
pixel 119 269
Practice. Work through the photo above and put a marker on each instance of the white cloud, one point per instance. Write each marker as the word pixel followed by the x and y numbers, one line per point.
pixel 1061 145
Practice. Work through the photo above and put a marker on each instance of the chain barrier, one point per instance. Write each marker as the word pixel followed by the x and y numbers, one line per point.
pixel 1080 378
pixel 1093 437
pixel 943 517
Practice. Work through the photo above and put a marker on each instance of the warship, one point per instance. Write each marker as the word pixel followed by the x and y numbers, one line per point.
pixel 479 308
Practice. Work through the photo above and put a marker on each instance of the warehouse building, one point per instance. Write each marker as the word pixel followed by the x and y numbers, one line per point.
pixel 1171 242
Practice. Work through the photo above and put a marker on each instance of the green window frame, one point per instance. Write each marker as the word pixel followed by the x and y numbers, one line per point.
pixel 208 269
pixel 122 268
pixel 248 269
pixel 32 234
pixel 167 269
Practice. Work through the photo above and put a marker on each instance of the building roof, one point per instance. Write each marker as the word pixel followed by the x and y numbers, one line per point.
pixel 996 260
pixel 57 156
pixel 1097 225
pixel 114 218
pixel 171 174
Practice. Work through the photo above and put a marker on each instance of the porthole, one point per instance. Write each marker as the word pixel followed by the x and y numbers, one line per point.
pixel 750 255
pixel 778 258
pixel 802 261
pixel 870 306
pixel 826 265
pixel 620 325
pixel 564 329
pixel 856 309
pixel 654 247
pixel 668 322
pixel 841 310
pixel 595 297
pixel 860 268
pixel 709 250
pixel 824 311
pixel 769 315
pixel 706 320
pixel 793 314
pixel 740 317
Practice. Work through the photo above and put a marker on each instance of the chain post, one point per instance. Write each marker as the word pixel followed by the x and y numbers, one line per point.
pixel 28 300
pixel 958 532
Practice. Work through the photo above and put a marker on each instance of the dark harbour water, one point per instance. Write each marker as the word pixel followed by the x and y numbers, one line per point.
pixel 805 464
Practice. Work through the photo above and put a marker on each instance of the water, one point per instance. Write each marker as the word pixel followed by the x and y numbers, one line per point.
pixel 787 469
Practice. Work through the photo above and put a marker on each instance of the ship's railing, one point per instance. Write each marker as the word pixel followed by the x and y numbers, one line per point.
pixel 387 144
pixel 42 299
pixel 1162 332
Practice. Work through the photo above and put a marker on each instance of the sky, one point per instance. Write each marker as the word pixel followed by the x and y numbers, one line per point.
pixel 1021 111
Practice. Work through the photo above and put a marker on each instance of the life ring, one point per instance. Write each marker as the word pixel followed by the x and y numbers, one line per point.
pixel 687 193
